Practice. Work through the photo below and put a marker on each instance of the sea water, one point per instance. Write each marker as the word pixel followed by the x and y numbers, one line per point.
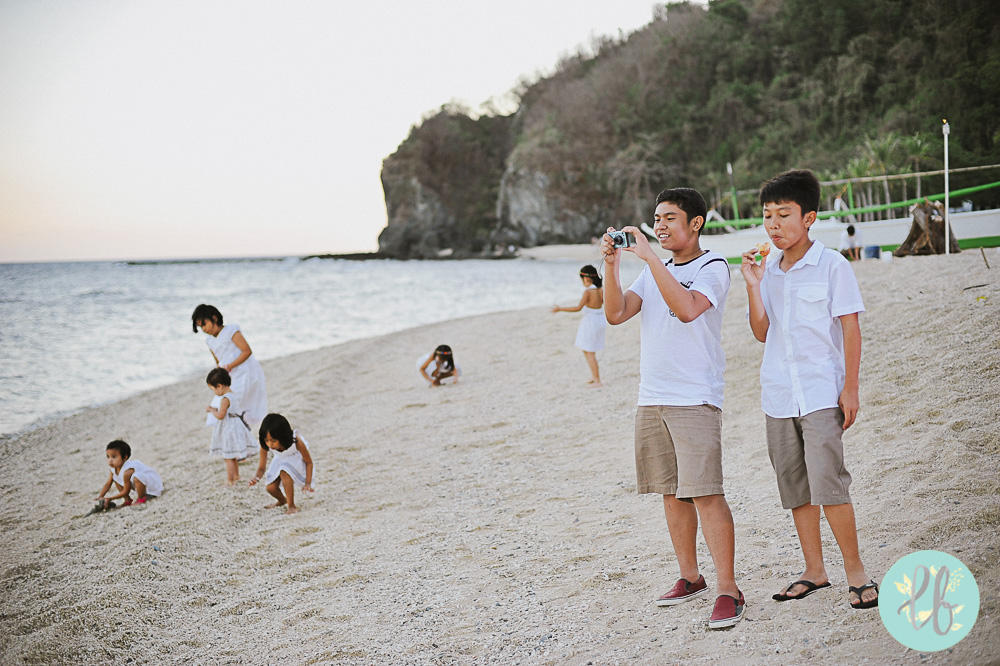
pixel 76 335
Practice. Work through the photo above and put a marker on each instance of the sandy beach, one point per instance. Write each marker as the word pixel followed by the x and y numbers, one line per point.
pixel 496 521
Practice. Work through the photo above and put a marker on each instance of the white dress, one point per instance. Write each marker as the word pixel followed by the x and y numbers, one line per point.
pixel 433 366
pixel 289 460
pixel 231 437
pixel 141 472
pixel 248 377
pixel 590 335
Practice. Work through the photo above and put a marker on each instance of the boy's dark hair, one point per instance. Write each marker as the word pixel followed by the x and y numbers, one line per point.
pixel 205 313
pixel 591 272
pixel 447 358
pixel 850 229
pixel 799 186
pixel 121 447
pixel 688 200
pixel 219 377
pixel 279 429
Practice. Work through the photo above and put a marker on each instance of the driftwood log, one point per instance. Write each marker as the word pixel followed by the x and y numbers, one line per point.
pixel 927 231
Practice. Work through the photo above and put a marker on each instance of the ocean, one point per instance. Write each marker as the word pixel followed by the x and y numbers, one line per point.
pixel 77 335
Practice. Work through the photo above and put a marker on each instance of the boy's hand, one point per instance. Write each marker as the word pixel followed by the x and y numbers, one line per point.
pixel 608 250
pixel 753 272
pixel 254 480
pixel 308 488
pixel 642 248
pixel 849 403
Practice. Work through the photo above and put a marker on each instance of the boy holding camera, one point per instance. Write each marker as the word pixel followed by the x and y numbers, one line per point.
pixel 678 423
pixel 804 307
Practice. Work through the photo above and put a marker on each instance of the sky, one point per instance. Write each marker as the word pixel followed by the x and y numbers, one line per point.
pixel 133 129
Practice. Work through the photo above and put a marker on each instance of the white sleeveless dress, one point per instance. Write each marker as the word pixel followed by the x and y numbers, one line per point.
pixel 433 366
pixel 291 461
pixel 248 377
pixel 590 335
pixel 231 436
pixel 141 472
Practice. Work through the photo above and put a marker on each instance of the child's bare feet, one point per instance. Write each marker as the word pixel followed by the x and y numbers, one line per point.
pixel 290 510
pixel 275 505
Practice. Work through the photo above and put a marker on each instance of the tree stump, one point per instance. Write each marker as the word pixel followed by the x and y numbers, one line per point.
pixel 927 231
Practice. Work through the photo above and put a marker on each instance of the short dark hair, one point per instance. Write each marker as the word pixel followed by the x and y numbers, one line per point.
pixel 688 200
pixel 205 313
pixel 219 377
pixel 799 186
pixel 850 229
pixel 121 447
pixel 591 272
pixel 279 429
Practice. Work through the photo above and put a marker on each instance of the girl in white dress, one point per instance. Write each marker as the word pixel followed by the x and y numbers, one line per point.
pixel 232 353
pixel 291 463
pixel 231 436
pixel 128 474
pixel 439 365
pixel 590 335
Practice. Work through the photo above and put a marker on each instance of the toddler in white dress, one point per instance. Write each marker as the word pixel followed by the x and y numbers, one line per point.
pixel 231 438
pixel 291 463
pixel 128 475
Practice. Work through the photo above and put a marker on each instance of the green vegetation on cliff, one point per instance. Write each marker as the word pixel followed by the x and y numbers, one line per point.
pixel 844 87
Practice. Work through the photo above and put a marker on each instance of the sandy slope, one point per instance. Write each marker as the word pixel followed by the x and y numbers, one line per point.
pixel 496 521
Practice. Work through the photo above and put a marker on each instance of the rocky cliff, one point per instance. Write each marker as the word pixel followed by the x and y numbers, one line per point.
pixel 673 103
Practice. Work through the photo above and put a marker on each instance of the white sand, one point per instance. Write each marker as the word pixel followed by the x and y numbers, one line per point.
pixel 496 521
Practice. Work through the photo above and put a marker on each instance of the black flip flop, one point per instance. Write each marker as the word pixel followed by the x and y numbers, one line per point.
pixel 872 603
pixel 810 588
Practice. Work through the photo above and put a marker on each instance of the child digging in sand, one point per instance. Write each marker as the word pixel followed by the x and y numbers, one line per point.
pixel 290 465
pixel 804 307
pixel 127 474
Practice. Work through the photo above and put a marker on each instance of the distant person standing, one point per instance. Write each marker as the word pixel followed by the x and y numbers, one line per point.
pixel 233 354
pixel 590 335
pixel 850 243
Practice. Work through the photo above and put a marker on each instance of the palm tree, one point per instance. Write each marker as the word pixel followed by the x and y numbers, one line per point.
pixel 916 148
pixel 884 153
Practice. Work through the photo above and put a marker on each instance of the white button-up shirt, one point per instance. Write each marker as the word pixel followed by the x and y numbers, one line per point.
pixel 803 368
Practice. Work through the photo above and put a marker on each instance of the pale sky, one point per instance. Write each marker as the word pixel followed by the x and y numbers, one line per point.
pixel 134 129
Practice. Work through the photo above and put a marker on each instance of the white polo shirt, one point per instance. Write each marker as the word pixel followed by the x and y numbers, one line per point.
pixel 803 368
pixel 680 364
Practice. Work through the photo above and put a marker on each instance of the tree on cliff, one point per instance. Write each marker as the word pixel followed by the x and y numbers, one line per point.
pixel 765 84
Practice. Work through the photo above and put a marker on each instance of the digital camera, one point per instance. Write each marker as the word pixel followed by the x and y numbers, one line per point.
pixel 621 239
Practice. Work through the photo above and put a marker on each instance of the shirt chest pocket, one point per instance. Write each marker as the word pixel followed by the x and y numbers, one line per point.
pixel 811 303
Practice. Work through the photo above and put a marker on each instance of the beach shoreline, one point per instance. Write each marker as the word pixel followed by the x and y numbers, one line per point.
pixel 496 521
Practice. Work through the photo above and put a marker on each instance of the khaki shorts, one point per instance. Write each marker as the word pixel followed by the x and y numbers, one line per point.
pixel 678 450
pixel 807 454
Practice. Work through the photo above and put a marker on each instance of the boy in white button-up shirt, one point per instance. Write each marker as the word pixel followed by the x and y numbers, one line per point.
pixel 804 307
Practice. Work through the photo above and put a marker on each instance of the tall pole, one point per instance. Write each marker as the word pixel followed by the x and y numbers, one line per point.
pixel 946 130
pixel 732 191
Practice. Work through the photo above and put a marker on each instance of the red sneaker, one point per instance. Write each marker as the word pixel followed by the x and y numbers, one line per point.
pixel 683 591
pixel 141 500
pixel 727 612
